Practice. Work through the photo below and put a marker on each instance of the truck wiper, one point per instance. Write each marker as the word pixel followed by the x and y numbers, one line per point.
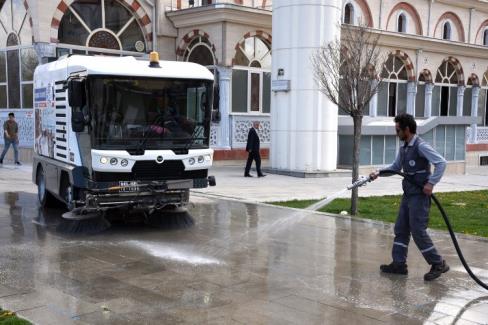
pixel 142 144
pixel 191 139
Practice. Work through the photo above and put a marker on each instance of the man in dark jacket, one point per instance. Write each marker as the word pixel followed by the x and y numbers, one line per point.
pixel 252 148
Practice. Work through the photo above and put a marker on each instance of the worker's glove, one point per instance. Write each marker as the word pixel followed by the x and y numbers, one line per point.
pixel 374 175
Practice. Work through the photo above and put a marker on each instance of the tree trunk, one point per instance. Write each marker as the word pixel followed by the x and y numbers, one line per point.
pixel 358 121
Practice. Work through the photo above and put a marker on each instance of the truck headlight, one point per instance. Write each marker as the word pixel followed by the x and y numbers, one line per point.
pixel 200 159
pixel 113 161
pixel 191 161
pixel 124 162
pixel 104 160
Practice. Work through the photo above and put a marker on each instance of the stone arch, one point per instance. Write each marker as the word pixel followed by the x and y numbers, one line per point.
pixel 455 20
pixel 484 81
pixel 411 11
pixel 408 64
pixel 458 67
pixel 132 5
pixel 426 76
pixel 188 38
pixel 481 29
pixel 366 11
pixel 259 33
pixel 27 9
pixel 473 80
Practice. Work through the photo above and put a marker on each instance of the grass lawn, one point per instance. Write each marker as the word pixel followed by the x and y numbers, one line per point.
pixel 467 211
pixel 9 318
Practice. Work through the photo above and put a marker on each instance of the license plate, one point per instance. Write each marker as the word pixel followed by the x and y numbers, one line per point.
pixel 129 186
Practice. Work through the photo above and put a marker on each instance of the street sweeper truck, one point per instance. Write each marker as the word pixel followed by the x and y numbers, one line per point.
pixel 116 132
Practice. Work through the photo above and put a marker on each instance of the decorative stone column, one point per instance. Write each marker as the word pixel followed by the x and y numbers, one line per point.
pixel 460 100
pixel 223 133
pixel 474 112
pixel 428 99
pixel 303 121
pixel 411 95
pixel 373 104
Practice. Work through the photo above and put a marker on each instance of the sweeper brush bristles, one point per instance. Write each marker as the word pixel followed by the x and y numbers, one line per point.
pixel 89 226
pixel 170 220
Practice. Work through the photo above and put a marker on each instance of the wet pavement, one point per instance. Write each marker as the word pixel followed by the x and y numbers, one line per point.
pixel 227 262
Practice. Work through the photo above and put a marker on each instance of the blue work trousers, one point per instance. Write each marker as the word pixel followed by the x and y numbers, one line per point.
pixel 9 142
pixel 413 218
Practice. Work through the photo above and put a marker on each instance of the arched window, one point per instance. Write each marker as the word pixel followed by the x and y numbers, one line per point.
pixel 17 62
pixel 252 50
pixel 349 14
pixel 446 31
pixel 200 51
pixel 485 38
pixel 103 24
pixel 251 76
pixel 445 90
pixel 425 78
pixel 402 23
pixel 483 101
pixel 392 94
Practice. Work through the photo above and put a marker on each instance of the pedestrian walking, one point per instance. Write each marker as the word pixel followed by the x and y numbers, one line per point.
pixel 252 147
pixel 10 137
pixel 415 158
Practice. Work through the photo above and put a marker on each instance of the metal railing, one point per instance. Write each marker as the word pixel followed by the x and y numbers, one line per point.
pixel 185 4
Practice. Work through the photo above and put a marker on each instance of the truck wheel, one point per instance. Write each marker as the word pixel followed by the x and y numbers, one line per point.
pixel 46 199
pixel 68 194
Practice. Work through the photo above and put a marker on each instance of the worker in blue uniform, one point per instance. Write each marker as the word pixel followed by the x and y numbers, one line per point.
pixel 415 158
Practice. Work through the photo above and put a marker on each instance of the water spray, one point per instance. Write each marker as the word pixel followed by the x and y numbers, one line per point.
pixel 362 181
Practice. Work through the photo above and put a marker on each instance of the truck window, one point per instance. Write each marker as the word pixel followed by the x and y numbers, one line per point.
pixel 161 113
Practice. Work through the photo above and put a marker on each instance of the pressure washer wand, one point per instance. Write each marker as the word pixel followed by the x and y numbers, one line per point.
pixel 360 182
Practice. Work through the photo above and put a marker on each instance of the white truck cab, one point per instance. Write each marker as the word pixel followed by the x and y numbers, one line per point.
pixel 116 132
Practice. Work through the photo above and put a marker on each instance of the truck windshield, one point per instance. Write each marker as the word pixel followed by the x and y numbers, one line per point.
pixel 149 112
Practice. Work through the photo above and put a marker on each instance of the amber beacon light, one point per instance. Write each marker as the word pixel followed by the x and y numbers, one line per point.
pixel 154 60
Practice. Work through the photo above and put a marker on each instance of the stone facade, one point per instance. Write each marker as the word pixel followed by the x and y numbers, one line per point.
pixel 422 34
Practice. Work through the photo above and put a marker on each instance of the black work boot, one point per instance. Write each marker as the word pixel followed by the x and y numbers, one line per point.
pixel 395 268
pixel 436 271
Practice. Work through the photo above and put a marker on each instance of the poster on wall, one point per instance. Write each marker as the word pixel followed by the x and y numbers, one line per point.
pixel 25 121
pixel 45 116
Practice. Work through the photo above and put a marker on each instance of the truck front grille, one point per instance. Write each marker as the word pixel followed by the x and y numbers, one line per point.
pixel 150 170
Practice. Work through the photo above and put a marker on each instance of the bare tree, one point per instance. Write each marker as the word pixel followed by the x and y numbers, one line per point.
pixel 345 72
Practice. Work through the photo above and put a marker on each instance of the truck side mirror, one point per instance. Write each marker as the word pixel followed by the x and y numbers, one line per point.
pixel 78 121
pixel 216 97
pixel 203 102
pixel 76 93
pixel 215 116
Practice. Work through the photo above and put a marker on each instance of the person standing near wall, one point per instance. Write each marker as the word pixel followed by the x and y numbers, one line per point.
pixel 10 137
pixel 252 147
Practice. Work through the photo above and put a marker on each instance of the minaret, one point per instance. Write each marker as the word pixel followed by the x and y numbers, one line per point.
pixel 303 121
